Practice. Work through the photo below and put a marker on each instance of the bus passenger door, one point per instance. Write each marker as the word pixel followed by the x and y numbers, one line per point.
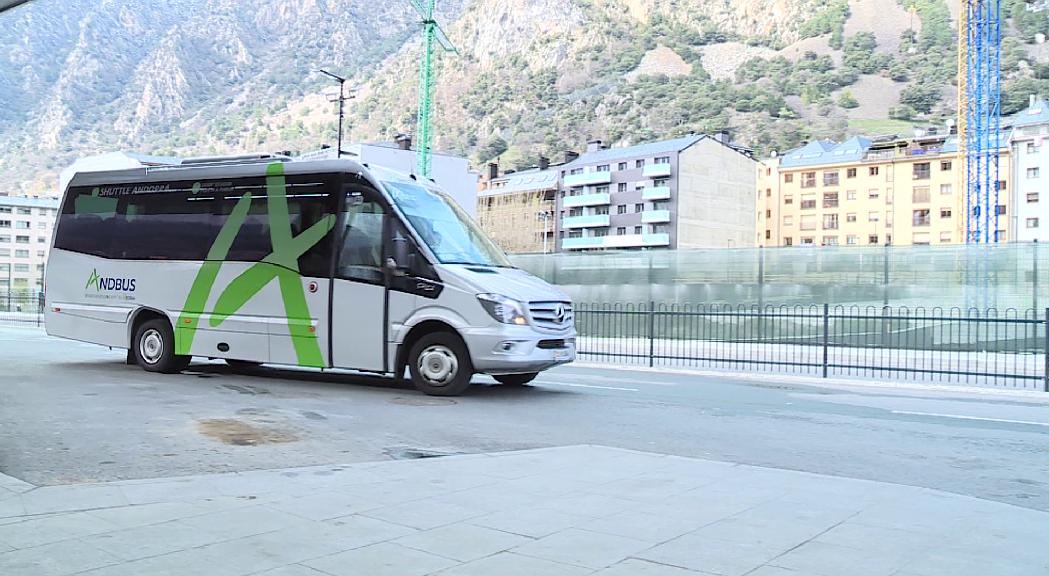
pixel 358 309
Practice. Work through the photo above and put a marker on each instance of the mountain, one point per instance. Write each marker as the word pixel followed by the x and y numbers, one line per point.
pixel 532 77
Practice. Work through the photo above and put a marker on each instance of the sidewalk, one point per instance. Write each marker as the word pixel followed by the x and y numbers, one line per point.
pixel 560 511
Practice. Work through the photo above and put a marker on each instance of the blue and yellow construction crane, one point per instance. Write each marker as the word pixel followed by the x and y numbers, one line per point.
pixel 979 115
pixel 431 33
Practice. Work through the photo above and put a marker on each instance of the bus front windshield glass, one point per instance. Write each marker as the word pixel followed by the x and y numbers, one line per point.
pixel 449 232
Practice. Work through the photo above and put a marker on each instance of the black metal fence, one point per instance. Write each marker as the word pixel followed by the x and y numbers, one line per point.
pixel 27 308
pixel 978 347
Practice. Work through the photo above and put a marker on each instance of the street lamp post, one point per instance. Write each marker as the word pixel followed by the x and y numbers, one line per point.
pixel 342 99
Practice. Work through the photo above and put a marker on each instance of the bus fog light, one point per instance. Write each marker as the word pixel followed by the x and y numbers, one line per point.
pixel 507 347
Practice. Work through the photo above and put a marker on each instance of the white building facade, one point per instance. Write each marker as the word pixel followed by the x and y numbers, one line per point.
pixel 26 226
pixel 1030 153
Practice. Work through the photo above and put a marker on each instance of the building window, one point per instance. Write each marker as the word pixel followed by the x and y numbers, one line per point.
pixel 788 241
pixel 573 212
pixel 21 239
pixel 577 233
pixel 5 209
pixel 808 241
pixel 808 222
pixel 920 217
pixel 5 223
pixel 852 240
pixel 601 190
pixel 945 212
pixel 946 189
pixel 41 225
pixel 1033 173
pixel 43 211
pixel 788 178
pixel 622 166
pixel 768 192
pixel 41 240
pixel 788 199
pixel 1032 197
pixel 768 214
pixel 830 221
pixel 663 160
pixel 600 232
pixel 830 179
pixel 768 234
pixel 40 254
pixel 25 211
pixel 5 238
pixel 945 237
pixel 621 209
pixel 850 172
pixel 920 239
pixel 621 231
pixel 1031 148
pixel 830 240
pixel 637 229
pixel 850 217
pixel 576 171
pixel 21 268
pixel 873 216
pixel 1002 185
pixel 1000 236
pixel 888 219
pixel 21 253
pixel 946 165
pixel 830 199
pixel 639 207
pixel 872 194
pixel 788 220
pixel 22 225
pixel 872 171
pixel 1032 222
pixel 850 194
pixel 808 201
pixel 920 195
pixel 603 168
pixel 808 179
pixel 621 187
pixel 601 210
pixel 1001 210
pixel 639 164
pixel 921 171
pixel 872 239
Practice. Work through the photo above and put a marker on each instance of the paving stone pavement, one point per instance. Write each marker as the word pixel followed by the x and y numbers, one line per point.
pixel 576 510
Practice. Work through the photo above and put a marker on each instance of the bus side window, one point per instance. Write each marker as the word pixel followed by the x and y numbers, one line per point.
pixel 360 254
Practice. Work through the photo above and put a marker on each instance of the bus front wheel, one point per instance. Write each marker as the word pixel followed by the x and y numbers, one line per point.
pixel 440 364
pixel 154 348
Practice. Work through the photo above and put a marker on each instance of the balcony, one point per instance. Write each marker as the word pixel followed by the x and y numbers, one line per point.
pixel 655 216
pixel 582 243
pixel 586 200
pixel 625 241
pixel 656 170
pixel 587 178
pixel 656 193
pixel 592 221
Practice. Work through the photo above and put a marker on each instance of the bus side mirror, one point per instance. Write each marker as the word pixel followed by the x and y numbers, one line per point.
pixel 401 253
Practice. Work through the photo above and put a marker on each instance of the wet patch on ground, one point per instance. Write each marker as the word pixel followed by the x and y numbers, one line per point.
pixel 240 433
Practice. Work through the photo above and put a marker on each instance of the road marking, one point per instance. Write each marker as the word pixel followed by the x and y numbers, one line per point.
pixel 588 386
pixel 960 417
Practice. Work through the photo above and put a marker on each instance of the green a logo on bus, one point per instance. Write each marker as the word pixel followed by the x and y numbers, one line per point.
pixel 281 265
pixel 93 280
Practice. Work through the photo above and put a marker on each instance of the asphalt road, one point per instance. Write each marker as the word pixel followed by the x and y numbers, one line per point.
pixel 72 412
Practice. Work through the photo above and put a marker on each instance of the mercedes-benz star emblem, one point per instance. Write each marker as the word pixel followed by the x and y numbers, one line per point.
pixel 559 313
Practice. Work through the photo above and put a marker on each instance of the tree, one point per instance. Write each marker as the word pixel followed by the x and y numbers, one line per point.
pixel 921 97
pixel 492 149
pixel 847 100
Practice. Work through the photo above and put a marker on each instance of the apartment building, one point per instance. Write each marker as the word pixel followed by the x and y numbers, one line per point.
pixel 516 209
pixel 1031 172
pixel 26 225
pixel 865 192
pixel 690 192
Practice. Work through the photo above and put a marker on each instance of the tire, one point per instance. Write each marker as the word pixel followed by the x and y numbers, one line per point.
pixel 154 348
pixel 440 364
pixel 241 365
pixel 515 379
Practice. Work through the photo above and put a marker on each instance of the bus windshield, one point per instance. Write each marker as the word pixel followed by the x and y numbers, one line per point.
pixel 449 232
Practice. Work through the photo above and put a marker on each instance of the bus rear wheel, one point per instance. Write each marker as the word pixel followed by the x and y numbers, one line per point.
pixel 154 348
pixel 440 364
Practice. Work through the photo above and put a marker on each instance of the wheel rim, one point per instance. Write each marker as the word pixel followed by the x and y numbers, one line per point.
pixel 151 346
pixel 438 365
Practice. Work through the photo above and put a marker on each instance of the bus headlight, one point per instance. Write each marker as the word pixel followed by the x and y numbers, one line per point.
pixel 504 309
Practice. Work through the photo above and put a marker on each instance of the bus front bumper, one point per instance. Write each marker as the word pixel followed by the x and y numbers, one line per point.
pixel 519 350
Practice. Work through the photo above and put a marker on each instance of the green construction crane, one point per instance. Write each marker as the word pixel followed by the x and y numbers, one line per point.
pixel 431 32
